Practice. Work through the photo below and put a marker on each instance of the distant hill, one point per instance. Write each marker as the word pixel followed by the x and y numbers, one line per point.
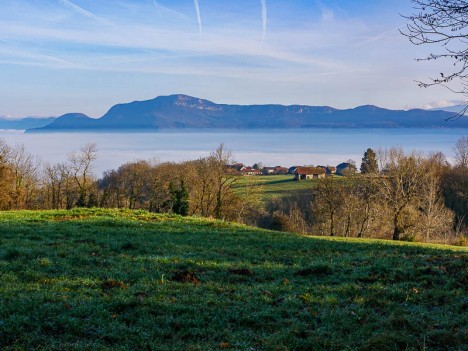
pixel 456 109
pixel 69 121
pixel 182 111
pixel 25 123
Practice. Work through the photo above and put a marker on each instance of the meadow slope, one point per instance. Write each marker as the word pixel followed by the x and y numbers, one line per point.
pixel 127 280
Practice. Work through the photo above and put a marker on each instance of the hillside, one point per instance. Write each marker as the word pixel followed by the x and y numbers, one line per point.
pixel 25 123
pixel 182 111
pixel 123 280
pixel 455 109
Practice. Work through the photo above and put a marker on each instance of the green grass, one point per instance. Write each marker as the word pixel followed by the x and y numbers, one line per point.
pixel 277 185
pixel 274 186
pixel 123 280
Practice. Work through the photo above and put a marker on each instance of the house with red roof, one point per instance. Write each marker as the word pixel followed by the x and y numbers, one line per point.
pixel 281 170
pixel 304 173
pixel 250 171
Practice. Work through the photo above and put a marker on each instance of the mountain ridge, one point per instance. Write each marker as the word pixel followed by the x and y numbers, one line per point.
pixel 181 111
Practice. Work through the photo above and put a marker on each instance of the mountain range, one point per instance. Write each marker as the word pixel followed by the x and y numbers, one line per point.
pixel 182 111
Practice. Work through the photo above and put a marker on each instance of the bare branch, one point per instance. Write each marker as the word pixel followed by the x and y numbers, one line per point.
pixel 443 23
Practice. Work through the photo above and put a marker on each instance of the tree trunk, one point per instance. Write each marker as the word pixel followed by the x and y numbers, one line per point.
pixel 219 202
pixel 218 205
pixel 364 221
pixel 348 225
pixel 397 230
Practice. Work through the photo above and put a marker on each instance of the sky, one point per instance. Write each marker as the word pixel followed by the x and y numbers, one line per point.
pixel 60 56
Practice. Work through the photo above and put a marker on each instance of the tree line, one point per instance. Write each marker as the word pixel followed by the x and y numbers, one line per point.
pixel 396 195
pixel 205 187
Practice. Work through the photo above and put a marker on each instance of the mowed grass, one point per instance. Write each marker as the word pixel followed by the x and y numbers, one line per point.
pixel 123 280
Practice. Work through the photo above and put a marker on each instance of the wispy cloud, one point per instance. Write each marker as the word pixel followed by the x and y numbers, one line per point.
pixel 158 8
pixel 179 42
pixel 394 32
pixel 12 55
pixel 327 15
pixel 264 18
pixel 197 10
pixel 166 11
pixel 74 7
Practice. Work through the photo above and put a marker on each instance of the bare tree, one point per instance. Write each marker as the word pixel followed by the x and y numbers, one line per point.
pixel 461 152
pixel 4 151
pixel 224 180
pixel 249 204
pixel 211 185
pixel 435 217
pixel 454 185
pixel 443 23
pixel 61 190
pixel 161 199
pixel 399 186
pixel 135 183
pixel 81 165
pixel 202 192
pixel 6 176
pixel 329 201
pixel 364 194
pixel 25 169
pixel 112 192
pixel 52 184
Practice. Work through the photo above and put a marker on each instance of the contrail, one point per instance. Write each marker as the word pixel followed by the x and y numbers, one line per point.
pixel 166 10
pixel 197 8
pixel 76 8
pixel 157 8
pixel 264 18
pixel 81 10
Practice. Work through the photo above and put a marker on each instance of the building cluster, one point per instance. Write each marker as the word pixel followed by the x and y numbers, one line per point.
pixel 299 172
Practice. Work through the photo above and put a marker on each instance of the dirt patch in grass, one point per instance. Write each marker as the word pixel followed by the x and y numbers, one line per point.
pixel 113 284
pixel 128 246
pixel 185 276
pixel 314 270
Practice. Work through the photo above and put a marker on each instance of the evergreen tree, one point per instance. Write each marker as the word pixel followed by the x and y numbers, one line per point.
pixel 93 200
pixel 369 162
pixel 81 202
pixel 180 204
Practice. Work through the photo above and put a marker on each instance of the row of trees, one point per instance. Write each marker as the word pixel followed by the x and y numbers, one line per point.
pixel 26 183
pixel 204 187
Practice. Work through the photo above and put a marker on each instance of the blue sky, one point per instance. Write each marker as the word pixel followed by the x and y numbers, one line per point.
pixel 59 56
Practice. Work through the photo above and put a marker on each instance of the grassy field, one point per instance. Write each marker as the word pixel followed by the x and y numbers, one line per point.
pixel 280 185
pixel 122 280
pixel 277 185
